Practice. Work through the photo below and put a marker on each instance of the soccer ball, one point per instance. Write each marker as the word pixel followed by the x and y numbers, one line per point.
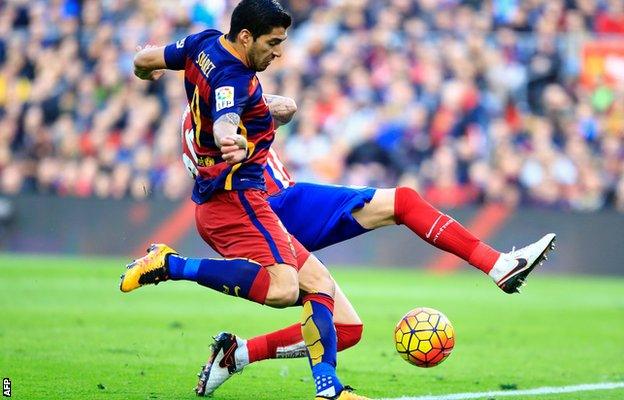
pixel 424 337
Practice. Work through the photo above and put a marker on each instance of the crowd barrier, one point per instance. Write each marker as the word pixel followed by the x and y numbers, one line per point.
pixel 590 243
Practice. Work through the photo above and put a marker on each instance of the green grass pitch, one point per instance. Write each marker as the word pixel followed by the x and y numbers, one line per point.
pixel 68 332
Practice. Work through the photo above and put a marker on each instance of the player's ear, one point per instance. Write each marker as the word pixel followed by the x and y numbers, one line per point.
pixel 245 37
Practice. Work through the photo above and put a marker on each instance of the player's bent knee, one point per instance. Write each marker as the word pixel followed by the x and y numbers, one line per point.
pixel 282 296
pixel 284 287
pixel 291 295
pixel 348 335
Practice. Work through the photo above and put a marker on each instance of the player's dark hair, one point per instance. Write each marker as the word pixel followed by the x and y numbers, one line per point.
pixel 259 17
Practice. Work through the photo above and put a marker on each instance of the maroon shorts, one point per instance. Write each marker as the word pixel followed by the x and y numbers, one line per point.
pixel 241 224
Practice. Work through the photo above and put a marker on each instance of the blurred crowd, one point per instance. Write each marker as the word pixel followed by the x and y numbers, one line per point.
pixel 466 101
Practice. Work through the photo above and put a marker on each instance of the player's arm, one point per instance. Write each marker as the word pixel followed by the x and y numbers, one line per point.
pixel 282 108
pixel 149 62
pixel 233 145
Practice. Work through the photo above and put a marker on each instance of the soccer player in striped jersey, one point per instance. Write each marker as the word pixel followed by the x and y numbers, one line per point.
pixel 341 213
pixel 232 131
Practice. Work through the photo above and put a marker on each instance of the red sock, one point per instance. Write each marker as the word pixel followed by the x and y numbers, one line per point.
pixel 441 230
pixel 348 335
pixel 265 347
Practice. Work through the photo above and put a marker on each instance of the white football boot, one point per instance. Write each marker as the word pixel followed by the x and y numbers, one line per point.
pixel 511 269
pixel 224 361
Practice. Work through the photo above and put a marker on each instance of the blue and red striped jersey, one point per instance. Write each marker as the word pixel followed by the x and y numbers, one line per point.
pixel 217 82
pixel 276 175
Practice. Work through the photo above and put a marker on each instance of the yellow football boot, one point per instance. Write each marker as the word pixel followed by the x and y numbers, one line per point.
pixel 346 394
pixel 148 269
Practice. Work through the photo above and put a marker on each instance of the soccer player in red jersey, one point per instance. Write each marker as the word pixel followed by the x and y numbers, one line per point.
pixel 341 213
pixel 232 132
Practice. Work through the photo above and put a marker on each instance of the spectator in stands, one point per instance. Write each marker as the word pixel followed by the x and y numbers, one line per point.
pixel 468 101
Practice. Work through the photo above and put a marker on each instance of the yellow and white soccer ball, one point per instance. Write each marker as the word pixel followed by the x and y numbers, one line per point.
pixel 424 337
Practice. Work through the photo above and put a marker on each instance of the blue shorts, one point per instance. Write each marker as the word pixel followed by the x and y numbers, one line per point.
pixel 320 215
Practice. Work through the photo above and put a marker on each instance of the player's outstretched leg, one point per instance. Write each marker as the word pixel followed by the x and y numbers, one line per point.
pixel 238 277
pixel 508 270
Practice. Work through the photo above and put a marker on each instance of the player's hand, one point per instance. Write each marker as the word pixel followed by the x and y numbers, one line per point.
pixel 234 149
pixel 236 140
pixel 236 156
pixel 145 74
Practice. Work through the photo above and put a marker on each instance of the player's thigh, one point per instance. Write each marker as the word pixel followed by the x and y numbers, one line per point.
pixel 241 224
pixel 344 312
pixel 321 215
pixel 379 211
pixel 314 277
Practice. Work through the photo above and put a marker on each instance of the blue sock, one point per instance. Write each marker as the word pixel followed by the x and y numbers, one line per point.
pixel 319 335
pixel 182 268
pixel 325 380
pixel 238 277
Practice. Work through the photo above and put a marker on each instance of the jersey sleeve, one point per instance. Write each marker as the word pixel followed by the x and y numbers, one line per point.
pixel 231 94
pixel 176 53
